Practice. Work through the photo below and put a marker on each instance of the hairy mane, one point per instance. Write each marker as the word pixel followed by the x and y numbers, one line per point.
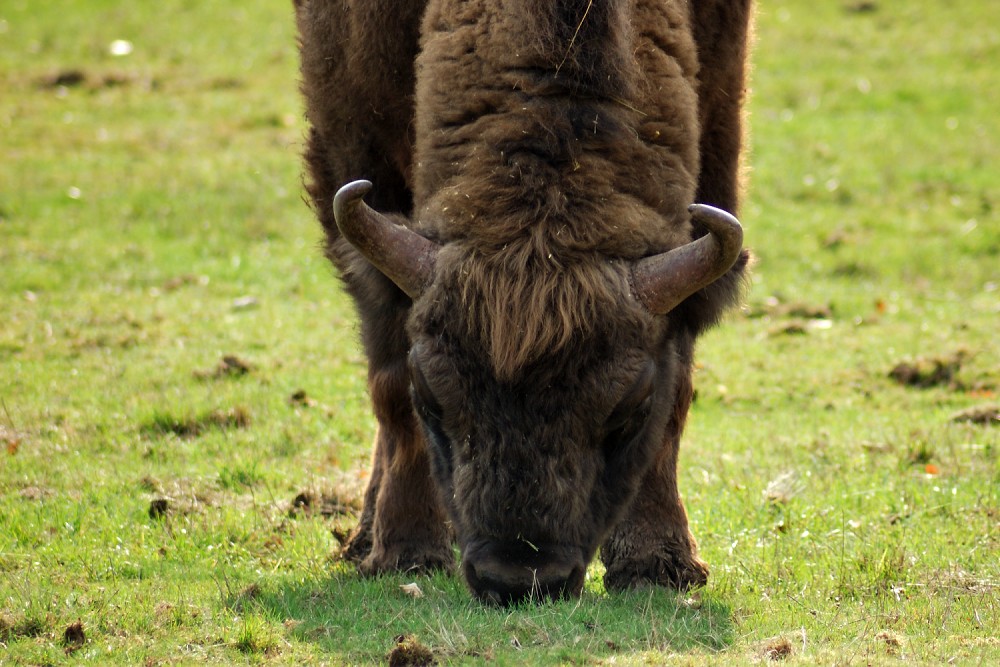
pixel 533 157
pixel 523 302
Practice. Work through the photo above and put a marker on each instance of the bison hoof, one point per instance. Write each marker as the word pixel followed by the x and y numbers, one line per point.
pixel 358 547
pixel 407 559
pixel 680 573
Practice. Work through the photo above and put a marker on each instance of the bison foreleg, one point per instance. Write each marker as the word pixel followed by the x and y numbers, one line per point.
pixel 403 524
pixel 360 543
pixel 652 544
pixel 409 530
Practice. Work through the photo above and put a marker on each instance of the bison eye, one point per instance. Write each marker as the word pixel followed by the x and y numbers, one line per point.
pixel 431 416
pixel 424 399
pixel 628 417
pixel 623 421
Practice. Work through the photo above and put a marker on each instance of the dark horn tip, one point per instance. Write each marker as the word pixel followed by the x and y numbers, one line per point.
pixel 353 191
pixel 723 225
pixel 348 195
pixel 702 211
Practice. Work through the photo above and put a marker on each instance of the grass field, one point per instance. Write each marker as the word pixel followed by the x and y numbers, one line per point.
pixel 183 418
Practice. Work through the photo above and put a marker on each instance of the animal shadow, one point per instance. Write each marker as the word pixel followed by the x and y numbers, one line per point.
pixel 362 620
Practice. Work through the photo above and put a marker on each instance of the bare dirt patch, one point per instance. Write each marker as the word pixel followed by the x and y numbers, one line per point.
pixel 986 415
pixel 793 328
pixel 864 7
pixel 10 440
pixel 339 504
pixel 230 366
pixel 158 508
pixel 183 280
pixel 300 398
pixel 184 497
pixel 929 372
pixel 776 648
pixel 35 493
pixel 75 77
pixel 773 307
pixel 794 318
pixel 73 637
pixel 893 642
pixel 65 77
pixel 192 427
pixel 409 652
pixel 18 627
pixel 246 598
pixel 328 504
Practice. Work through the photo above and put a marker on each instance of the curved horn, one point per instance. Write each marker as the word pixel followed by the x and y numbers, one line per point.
pixel 662 281
pixel 405 257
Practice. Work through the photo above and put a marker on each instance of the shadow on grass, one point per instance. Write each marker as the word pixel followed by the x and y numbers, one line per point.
pixel 362 620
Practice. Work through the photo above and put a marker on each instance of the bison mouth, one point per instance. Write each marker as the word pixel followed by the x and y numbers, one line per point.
pixel 504 574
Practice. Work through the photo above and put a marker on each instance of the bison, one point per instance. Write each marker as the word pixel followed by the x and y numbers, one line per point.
pixel 528 269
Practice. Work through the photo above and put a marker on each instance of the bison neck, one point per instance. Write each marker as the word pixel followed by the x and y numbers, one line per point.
pixel 572 124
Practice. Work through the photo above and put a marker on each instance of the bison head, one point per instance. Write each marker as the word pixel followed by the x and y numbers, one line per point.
pixel 542 414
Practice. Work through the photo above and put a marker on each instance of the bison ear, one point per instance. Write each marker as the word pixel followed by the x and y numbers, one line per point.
pixel 405 257
pixel 662 281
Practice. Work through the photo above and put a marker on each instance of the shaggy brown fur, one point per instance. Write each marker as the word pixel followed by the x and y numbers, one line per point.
pixel 544 144
pixel 543 156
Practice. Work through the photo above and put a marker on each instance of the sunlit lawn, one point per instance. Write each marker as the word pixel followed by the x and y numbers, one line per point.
pixel 152 225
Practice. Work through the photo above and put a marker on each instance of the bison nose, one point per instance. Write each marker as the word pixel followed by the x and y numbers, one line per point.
pixel 503 581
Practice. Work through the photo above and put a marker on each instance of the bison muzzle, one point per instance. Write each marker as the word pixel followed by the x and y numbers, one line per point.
pixel 506 190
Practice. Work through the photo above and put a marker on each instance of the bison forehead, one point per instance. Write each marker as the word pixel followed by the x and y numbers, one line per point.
pixel 518 308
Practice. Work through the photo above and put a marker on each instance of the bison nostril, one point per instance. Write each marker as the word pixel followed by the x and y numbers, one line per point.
pixel 505 591
pixel 496 593
pixel 492 597
pixel 499 575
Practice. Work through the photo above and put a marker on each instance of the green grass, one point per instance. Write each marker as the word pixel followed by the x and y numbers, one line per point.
pixel 151 224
